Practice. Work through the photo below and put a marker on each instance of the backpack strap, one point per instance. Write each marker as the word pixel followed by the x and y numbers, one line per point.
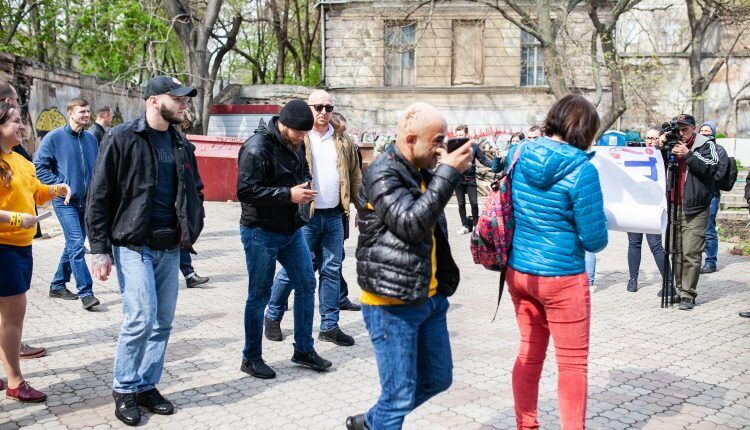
pixel 516 156
pixel 500 288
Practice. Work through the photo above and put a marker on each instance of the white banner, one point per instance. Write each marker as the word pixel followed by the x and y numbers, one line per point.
pixel 633 184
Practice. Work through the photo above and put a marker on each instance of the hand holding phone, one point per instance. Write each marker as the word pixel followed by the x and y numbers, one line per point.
pixel 456 143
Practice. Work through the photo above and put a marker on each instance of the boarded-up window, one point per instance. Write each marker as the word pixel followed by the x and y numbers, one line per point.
pixel 400 44
pixel 532 68
pixel 468 55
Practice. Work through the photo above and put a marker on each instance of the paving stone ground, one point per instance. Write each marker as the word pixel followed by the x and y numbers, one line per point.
pixel 649 368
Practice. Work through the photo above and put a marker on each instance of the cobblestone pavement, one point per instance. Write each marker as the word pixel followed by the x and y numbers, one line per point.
pixel 649 367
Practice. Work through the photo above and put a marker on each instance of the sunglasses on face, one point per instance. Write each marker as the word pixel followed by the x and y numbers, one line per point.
pixel 651 138
pixel 319 108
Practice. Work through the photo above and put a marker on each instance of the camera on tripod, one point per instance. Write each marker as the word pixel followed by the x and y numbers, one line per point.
pixel 672 131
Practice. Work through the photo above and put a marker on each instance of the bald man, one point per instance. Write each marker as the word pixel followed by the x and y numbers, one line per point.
pixel 405 267
pixel 336 177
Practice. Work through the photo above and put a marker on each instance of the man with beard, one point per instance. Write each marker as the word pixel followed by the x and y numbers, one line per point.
pixel 68 155
pixel 274 186
pixel 146 201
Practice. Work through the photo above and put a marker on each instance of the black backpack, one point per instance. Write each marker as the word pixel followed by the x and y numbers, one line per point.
pixel 730 176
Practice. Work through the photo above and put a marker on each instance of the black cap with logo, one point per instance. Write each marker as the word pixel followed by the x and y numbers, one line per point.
pixel 167 85
pixel 685 119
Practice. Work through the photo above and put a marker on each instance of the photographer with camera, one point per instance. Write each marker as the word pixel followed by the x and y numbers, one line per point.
pixel 468 186
pixel 695 163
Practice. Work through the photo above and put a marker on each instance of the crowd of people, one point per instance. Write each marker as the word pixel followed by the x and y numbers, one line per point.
pixel 134 190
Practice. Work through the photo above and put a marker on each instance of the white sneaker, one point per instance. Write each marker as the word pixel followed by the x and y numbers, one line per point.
pixel 463 230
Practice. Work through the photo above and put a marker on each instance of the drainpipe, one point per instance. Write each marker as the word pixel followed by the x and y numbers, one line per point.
pixel 323 44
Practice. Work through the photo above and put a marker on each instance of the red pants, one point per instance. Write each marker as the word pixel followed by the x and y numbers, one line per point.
pixel 560 306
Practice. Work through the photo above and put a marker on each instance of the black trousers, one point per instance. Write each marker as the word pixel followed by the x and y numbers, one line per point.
pixel 462 189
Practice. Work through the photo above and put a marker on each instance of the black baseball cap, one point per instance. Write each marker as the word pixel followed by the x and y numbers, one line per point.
pixel 686 119
pixel 167 85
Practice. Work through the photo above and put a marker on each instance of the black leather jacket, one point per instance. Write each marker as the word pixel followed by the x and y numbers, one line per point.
pixel 267 172
pixel 396 227
pixel 118 207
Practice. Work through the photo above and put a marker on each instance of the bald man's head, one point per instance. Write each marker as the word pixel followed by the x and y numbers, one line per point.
pixel 321 104
pixel 421 131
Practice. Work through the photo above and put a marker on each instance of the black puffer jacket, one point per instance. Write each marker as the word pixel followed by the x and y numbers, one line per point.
pixel 121 195
pixel 396 228
pixel 267 172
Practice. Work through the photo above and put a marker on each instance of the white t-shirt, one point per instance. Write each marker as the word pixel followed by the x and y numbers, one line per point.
pixel 325 169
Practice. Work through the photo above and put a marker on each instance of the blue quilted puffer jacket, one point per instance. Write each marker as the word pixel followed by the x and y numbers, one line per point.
pixel 558 209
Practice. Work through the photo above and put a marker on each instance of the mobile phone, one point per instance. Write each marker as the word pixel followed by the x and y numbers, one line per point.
pixel 456 143
pixel 43 215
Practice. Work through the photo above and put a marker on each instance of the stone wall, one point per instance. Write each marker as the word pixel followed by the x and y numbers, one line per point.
pixel 44 93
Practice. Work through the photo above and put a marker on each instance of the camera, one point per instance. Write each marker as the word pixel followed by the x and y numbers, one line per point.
pixel 672 130
pixel 636 143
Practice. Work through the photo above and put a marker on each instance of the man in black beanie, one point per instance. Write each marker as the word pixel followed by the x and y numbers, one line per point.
pixel 273 185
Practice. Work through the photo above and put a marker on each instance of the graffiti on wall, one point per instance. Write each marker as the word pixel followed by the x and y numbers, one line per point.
pixel 49 119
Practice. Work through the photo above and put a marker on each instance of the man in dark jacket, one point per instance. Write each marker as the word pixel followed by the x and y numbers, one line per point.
pixel 696 166
pixel 146 201
pixel 102 123
pixel 68 154
pixel 274 188
pixel 708 129
pixel 405 267
pixel 468 186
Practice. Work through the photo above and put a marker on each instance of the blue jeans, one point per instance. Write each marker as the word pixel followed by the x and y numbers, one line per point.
pixel 324 235
pixel 712 238
pixel 413 353
pixel 262 249
pixel 148 284
pixel 344 289
pixel 186 263
pixel 590 267
pixel 73 259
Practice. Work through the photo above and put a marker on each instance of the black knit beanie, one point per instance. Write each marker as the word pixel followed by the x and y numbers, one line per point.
pixel 296 114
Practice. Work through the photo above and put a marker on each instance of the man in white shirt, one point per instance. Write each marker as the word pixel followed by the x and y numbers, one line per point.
pixel 336 177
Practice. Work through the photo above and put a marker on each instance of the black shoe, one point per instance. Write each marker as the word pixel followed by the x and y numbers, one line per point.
pixel 745 314
pixel 64 294
pixel 311 359
pixel 349 306
pixel 707 269
pixel 336 336
pixel 194 280
pixel 126 408
pixel 155 402
pixel 633 285
pixel 272 330
pixel 257 368
pixel 89 302
pixel 357 422
pixel 687 304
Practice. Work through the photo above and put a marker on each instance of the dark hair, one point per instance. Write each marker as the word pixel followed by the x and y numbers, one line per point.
pixel 575 119
pixel 6 90
pixel 103 109
pixel 519 135
pixel 5 173
pixel 463 127
pixel 535 128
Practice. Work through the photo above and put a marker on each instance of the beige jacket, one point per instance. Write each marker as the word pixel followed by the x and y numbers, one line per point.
pixel 350 176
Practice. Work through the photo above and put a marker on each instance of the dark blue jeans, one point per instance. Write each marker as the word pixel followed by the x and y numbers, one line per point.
pixel 262 249
pixel 186 263
pixel 635 240
pixel 413 353
pixel 344 289
pixel 712 238
pixel 324 235
pixel 73 259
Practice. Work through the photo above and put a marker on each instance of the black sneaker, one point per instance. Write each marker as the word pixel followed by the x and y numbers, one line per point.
pixel 89 302
pixel 194 280
pixel 64 294
pixel 126 408
pixel 349 306
pixel 336 336
pixel 155 402
pixel 707 269
pixel 687 304
pixel 257 368
pixel 357 422
pixel 272 330
pixel 633 285
pixel 311 359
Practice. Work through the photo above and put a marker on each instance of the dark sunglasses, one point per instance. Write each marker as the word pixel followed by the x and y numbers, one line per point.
pixel 319 108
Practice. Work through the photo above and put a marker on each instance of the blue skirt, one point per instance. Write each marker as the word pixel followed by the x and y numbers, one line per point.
pixel 16 264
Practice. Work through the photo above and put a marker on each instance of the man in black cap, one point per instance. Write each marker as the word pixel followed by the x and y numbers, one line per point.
pixel 273 185
pixel 697 161
pixel 145 203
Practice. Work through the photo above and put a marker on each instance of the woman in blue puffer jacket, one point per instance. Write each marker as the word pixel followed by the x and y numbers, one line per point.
pixel 559 214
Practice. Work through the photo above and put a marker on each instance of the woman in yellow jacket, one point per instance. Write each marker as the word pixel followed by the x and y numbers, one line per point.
pixel 19 191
